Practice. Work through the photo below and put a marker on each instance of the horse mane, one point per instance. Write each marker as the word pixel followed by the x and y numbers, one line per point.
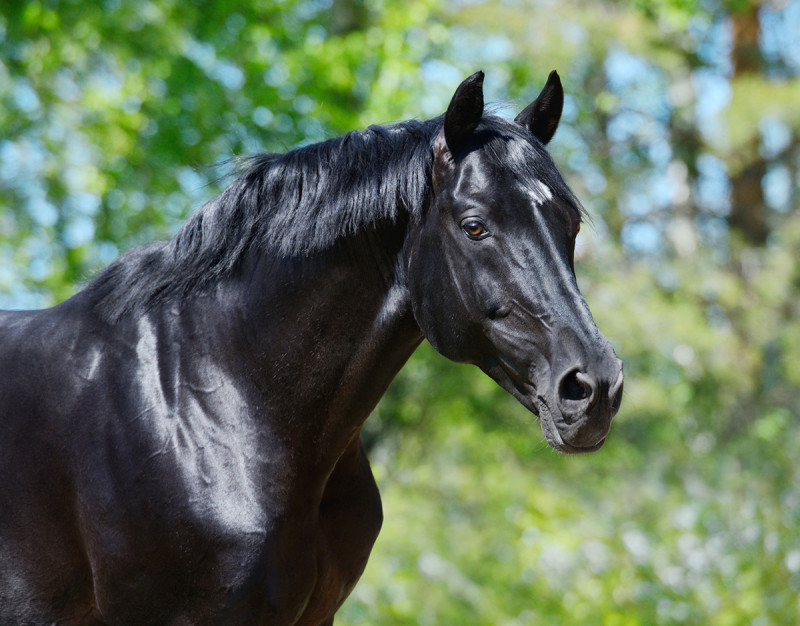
pixel 300 202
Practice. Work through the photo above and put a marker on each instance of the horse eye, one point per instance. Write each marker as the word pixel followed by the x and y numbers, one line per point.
pixel 474 229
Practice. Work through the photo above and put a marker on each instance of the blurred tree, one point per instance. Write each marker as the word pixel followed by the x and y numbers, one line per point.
pixel 748 211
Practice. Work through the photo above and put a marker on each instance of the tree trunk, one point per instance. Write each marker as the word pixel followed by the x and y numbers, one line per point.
pixel 748 215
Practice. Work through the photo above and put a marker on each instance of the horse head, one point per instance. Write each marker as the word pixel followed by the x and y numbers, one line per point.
pixel 491 273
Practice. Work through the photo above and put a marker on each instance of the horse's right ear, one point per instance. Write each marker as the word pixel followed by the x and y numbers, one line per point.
pixel 464 113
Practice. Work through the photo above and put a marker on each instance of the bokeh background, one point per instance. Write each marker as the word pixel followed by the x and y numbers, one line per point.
pixel 681 135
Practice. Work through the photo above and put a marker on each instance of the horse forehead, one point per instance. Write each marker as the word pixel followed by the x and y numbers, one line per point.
pixel 485 182
pixel 475 177
pixel 508 168
pixel 537 191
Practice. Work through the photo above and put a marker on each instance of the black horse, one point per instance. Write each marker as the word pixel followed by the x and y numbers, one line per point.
pixel 179 442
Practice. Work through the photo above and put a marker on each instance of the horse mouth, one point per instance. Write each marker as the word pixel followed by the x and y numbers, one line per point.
pixel 553 436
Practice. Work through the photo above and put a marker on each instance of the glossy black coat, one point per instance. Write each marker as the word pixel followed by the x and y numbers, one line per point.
pixel 179 442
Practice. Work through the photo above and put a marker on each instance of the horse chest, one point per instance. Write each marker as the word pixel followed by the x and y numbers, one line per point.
pixel 349 520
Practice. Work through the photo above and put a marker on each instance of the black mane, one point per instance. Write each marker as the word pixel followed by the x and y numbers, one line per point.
pixel 301 202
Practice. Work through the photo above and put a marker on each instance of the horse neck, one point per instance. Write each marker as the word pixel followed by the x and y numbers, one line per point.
pixel 334 328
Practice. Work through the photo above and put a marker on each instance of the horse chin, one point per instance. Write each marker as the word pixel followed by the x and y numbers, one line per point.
pixel 553 437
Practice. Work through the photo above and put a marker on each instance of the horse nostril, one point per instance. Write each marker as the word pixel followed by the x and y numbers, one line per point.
pixel 577 386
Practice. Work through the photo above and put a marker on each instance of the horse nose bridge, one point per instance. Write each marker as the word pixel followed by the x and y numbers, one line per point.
pixel 581 347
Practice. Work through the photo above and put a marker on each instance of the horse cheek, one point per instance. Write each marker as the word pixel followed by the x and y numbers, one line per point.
pixel 491 299
pixel 436 303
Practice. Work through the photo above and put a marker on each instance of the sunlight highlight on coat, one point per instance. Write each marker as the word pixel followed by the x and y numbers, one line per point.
pixel 539 192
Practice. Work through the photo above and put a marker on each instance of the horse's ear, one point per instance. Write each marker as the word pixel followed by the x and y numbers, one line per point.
pixel 542 115
pixel 464 112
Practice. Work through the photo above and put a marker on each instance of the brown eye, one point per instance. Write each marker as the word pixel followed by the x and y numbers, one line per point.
pixel 474 228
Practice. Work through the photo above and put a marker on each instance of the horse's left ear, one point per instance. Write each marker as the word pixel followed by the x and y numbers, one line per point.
pixel 542 115
pixel 464 113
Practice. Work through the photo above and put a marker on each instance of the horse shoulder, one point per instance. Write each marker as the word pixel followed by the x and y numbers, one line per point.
pixel 186 490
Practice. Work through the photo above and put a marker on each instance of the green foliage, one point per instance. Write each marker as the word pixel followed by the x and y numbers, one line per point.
pixel 111 113
pixel 754 100
pixel 477 533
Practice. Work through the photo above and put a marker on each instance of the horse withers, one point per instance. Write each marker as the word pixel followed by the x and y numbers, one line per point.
pixel 179 442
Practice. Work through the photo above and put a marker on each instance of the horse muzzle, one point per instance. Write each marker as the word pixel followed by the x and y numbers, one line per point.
pixel 578 417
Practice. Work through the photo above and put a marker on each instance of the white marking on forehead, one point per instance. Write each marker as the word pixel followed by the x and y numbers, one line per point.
pixel 540 192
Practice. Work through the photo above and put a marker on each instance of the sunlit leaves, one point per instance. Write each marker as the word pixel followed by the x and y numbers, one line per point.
pixel 130 91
